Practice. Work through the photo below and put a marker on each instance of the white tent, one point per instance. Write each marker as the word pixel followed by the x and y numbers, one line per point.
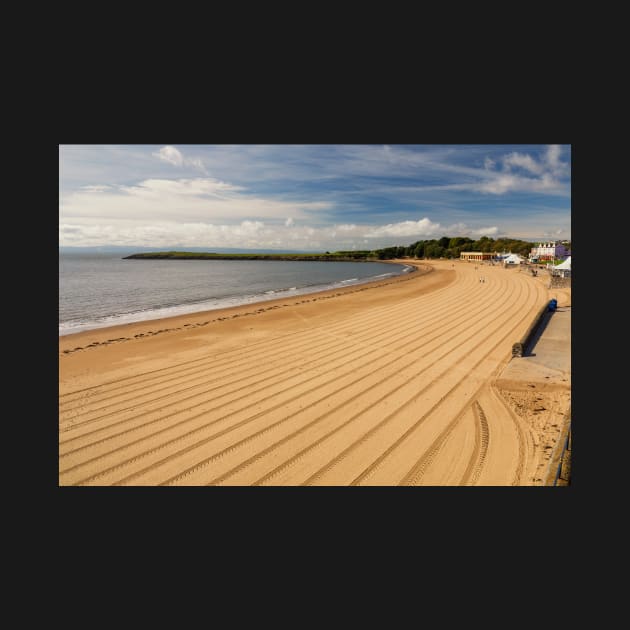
pixel 513 259
pixel 564 265
pixel 563 269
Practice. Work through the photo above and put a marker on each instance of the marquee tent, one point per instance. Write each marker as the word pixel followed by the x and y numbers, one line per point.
pixel 563 269
pixel 513 259
pixel 564 265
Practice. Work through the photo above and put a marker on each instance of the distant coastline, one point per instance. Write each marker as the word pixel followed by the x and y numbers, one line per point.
pixel 360 256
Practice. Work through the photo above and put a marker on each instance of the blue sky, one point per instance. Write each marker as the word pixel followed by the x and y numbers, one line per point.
pixel 310 197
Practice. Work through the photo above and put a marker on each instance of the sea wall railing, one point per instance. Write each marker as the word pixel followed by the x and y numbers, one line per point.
pixel 559 463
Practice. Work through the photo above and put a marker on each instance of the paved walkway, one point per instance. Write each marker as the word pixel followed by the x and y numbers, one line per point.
pixel 549 355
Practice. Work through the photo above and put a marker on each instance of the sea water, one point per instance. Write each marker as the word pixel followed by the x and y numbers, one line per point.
pixel 99 290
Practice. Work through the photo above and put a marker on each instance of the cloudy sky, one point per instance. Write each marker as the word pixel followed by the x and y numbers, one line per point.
pixel 310 197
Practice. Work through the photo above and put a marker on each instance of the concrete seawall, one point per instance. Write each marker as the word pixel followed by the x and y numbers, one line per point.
pixel 548 348
pixel 520 348
pixel 544 373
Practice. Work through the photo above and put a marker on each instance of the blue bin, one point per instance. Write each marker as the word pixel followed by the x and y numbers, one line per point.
pixel 553 304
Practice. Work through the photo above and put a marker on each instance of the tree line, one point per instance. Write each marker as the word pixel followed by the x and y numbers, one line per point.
pixel 445 247
pixel 452 247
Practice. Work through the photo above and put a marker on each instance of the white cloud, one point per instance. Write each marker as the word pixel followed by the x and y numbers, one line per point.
pixel 171 155
pixel 256 234
pixel 488 231
pixel 131 195
pixel 95 189
pixel 553 156
pixel 164 234
pixel 186 200
pixel 245 228
pixel 176 158
pixel 519 173
pixel 501 184
pixel 197 163
pixel 505 183
pixel 523 161
pixel 542 176
pixel 195 187
pixel 423 227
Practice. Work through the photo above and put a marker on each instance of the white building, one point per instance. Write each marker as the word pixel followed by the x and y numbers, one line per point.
pixel 548 252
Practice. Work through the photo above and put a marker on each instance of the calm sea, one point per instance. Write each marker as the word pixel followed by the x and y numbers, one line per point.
pixel 98 290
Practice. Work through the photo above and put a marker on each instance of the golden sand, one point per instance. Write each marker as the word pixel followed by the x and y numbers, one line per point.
pixel 391 383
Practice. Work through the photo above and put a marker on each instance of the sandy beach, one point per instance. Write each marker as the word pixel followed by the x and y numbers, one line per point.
pixel 406 381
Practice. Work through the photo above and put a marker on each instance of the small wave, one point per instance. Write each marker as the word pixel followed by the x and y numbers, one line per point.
pixel 274 291
pixel 169 310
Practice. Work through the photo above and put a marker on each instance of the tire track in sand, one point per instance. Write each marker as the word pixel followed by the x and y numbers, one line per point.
pixel 356 416
pixel 414 475
pixel 387 453
pixel 239 424
pixel 259 349
pixel 401 310
pixel 403 345
pixel 423 270
pixel 368 336
pixel 267 428
pixel 482 438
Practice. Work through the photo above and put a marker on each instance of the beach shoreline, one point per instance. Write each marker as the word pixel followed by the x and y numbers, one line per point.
pixel 105 335
pixel 392 382
pixel 208 305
